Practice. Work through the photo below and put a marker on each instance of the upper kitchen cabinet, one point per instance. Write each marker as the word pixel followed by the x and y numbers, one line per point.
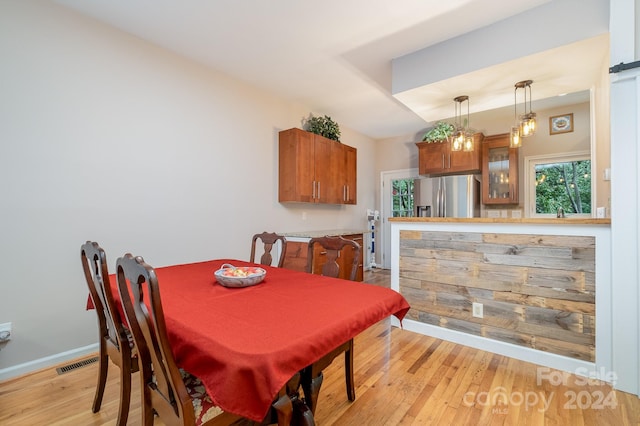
pixel 500 171
pixel 436 158
pixel 350 179
pixel 314 169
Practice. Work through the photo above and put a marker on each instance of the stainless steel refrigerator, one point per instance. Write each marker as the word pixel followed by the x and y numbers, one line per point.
pixel 447 196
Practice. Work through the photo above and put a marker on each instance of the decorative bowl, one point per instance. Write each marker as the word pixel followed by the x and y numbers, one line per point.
pixel 239 276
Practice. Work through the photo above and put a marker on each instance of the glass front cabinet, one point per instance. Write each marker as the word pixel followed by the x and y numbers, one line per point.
pixel 499 171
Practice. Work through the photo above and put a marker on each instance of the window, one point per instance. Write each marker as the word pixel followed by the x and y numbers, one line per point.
pixel 402 198
pixel 558 181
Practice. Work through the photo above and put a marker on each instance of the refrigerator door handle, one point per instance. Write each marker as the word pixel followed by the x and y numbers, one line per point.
pixel 441 189
pixel 441 198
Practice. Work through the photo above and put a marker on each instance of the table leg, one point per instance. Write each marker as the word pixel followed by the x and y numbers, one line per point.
pixel 348 369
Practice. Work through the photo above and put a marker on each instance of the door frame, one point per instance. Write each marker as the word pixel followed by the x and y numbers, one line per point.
pixel 385 210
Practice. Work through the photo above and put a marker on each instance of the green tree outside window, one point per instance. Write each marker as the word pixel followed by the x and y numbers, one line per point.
pixel 565 184
pixel 402 198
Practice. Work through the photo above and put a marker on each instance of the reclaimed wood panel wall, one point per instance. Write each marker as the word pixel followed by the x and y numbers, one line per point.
pixel 537 291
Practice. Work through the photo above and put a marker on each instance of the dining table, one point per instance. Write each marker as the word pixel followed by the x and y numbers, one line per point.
pixel 245 344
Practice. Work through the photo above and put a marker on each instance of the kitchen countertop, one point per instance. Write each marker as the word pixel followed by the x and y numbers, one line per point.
pixel 550 221
pixel 322 233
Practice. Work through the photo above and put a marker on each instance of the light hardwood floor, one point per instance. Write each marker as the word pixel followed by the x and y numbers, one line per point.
pixel 402 378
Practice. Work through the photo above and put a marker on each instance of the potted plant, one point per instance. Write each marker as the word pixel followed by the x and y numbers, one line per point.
pixel 323 126
pixel 439 133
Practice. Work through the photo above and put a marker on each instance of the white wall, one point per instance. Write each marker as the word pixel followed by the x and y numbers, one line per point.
pixel 625 187
pixel 108 138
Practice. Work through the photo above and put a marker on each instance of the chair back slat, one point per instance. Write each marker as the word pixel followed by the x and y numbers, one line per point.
pixel 269 240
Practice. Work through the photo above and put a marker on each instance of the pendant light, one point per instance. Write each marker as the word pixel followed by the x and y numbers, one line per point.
pixel 528 120
pixel 462 137
pixel 514 140
pixel 525 126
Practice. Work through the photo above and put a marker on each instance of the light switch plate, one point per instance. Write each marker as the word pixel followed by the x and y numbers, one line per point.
pixel 477 310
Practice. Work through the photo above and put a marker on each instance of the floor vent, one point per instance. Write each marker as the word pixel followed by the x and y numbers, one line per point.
pixel 75 365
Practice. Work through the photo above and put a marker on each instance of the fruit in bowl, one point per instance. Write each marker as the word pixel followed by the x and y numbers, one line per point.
pixel 239 276
pixel 241 271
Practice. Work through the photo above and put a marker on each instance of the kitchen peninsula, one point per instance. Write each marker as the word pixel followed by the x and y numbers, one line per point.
pixel 525 288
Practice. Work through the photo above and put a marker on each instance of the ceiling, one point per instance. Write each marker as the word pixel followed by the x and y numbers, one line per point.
pixel 569 71
pixel 335 56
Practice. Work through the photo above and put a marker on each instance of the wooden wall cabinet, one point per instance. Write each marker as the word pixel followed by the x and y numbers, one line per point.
pixel 349 178
pixel 314 169
pixel 500 171
pixel 436 158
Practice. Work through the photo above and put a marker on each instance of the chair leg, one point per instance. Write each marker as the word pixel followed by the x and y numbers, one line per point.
pixel 103 361
pixel 348 372
pixel 302 415
pixel 147 410
pixel 311 387
pixel 284 409
pixel 125 392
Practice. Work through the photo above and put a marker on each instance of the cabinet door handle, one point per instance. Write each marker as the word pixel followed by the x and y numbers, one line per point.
pixel 443 161
pixel 318 190
pixel 344 192
pixel 313 190
pixel 348 193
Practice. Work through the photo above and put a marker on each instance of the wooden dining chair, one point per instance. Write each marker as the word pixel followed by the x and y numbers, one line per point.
pixel 173 394
pixel 330 248
pixel 115 340
pixel 268 239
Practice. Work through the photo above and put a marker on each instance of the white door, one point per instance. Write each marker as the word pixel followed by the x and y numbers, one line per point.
pixel 386 209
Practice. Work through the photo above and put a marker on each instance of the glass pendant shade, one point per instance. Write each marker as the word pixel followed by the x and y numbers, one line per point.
pixel 527 121
pixel 525 125
pixel 457 139
pixel 528 124
pixel 462 137
pixel 468 143
pixel 515 141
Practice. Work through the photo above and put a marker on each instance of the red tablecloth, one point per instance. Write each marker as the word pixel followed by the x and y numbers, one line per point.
pixel 246 343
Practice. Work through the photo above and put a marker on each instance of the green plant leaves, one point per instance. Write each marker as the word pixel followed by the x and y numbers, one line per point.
pixel 324 126
pixel 440 132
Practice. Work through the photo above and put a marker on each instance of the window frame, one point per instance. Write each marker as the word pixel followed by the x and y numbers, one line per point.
pixel 530 163
pixel 410 197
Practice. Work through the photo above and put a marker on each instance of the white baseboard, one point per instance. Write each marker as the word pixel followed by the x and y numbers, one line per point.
pixel 544 359
pixel 49 361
